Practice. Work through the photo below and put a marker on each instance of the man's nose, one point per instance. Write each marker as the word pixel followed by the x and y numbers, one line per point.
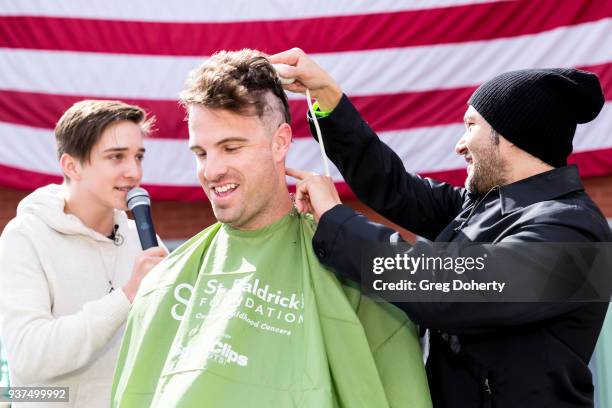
pixel 133 170
pixel 214 168
pixel 461 147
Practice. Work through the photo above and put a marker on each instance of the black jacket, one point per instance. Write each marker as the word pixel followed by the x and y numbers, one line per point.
pixel 501 354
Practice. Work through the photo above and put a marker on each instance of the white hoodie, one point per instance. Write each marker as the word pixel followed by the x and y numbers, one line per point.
pixel 59 324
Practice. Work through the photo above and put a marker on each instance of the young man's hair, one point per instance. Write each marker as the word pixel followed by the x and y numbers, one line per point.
pixel 81 126
pixel 242 82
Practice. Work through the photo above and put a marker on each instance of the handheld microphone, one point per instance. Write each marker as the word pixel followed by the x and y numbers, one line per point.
pixel 139 202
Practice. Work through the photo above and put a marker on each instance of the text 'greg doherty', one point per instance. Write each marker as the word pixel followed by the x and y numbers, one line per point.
pixel 425 285
pixel 412 264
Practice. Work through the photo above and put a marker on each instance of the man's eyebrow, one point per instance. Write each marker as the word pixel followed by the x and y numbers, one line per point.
pixel 122 149
pixel 231 139
pixel 221 142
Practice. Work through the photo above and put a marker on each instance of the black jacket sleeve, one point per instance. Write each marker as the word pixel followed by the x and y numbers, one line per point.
pixel 343 235
pixel 378 177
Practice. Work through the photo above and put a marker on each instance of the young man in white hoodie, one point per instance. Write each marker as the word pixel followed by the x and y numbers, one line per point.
pixel 71 261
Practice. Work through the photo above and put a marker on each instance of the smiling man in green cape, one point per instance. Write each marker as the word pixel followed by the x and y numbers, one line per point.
pixel 243 314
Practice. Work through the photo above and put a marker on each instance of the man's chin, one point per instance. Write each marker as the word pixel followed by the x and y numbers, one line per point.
pixel 119 205
pixel 225 216
pixel 469 186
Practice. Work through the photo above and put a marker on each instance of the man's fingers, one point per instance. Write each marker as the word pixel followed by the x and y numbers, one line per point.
pixel 299 200
pixel 295 87
pixel 297 174
pixel 309 208
pixel 303 203
pixel 156 251
pixel 289 57
pixel 301 190
pixel 291 64
pixel 287 71
pixel 302 200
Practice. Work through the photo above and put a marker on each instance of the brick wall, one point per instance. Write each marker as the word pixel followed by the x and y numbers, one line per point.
pixel 176 220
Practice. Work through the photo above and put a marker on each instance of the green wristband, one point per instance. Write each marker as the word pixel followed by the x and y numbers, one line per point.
pixel 319 113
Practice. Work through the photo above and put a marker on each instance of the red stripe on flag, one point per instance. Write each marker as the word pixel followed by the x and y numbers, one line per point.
pixel 384 112
pixel 43 110
pixel 455 24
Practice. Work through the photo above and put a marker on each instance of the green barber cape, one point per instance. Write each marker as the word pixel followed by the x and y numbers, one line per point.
pixel 251 318
pixel 603 363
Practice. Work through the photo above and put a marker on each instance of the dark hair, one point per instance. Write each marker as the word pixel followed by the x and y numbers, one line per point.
pixel 495 136
pixel 81 126
pixel 239 81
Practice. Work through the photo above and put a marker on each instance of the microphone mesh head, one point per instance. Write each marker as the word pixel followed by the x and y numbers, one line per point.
pixel 137 196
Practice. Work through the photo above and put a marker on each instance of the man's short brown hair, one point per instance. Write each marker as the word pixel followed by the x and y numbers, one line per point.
pixel 81 126
pixel 239 81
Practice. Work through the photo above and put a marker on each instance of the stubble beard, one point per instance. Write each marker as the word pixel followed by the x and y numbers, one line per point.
pixel 489 171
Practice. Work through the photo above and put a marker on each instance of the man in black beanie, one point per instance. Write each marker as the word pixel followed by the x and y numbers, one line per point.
pixel 519 189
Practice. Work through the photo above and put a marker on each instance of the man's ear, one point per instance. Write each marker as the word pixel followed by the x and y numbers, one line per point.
pixel 281 142
pixel 71 167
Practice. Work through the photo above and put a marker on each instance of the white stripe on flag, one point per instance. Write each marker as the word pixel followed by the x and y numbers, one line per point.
pixel 359 73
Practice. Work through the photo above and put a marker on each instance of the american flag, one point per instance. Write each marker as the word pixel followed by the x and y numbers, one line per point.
pixel 409 67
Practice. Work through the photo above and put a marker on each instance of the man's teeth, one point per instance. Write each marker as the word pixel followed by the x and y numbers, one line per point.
pixel 124 188
pixel 227 187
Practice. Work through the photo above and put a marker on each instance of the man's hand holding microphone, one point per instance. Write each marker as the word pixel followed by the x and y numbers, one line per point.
pixel 139 203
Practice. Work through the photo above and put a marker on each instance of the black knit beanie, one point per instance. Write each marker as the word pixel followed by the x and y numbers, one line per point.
pixel 538 109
